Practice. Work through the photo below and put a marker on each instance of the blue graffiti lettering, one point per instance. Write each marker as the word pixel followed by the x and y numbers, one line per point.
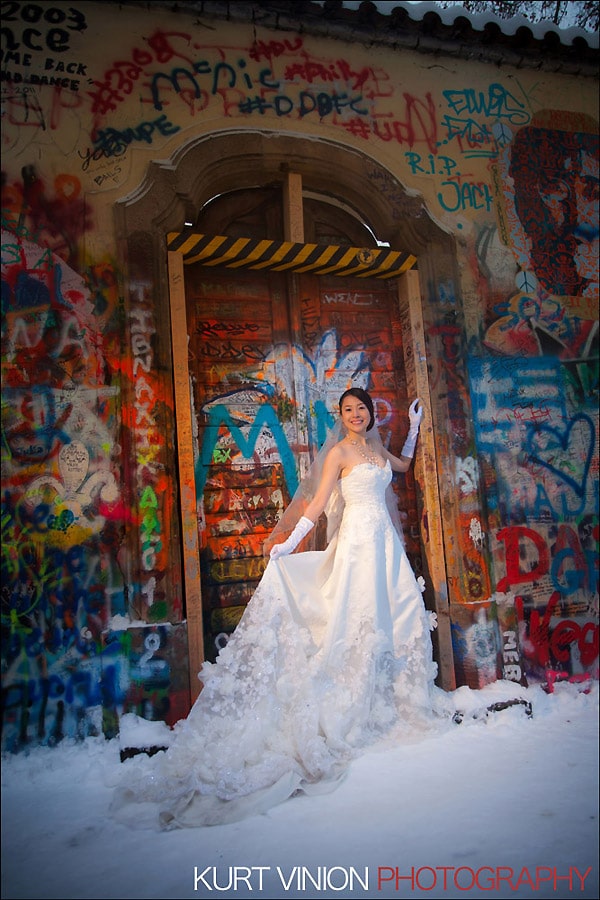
pixel 266 417
pixel 114 143
pixel 498 103
pixel 436 165
pixel 465 196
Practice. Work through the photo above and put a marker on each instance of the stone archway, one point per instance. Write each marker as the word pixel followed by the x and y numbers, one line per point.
pixel 174 192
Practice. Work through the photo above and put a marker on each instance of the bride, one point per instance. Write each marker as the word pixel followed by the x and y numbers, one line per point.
pixel 332 651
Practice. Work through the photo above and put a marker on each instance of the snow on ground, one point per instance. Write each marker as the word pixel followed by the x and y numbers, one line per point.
pixel 503 806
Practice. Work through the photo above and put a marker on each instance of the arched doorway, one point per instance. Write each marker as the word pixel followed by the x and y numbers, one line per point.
pixel 266 344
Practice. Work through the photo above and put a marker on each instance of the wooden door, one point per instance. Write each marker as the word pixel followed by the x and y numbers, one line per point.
pixel 361 318
pixel 269 356
pixel 236 320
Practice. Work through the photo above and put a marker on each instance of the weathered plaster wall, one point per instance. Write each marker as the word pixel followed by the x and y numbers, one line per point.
pixel 503 164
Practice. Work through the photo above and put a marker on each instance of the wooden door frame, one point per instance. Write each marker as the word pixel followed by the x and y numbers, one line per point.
pixel 415 361
pixel 188 505
pixel 426 472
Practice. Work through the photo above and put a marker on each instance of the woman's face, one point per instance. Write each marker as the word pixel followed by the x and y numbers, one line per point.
pixel 355 416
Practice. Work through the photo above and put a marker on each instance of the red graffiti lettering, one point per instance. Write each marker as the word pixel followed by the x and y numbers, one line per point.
pixel 545 644
pixel 511 537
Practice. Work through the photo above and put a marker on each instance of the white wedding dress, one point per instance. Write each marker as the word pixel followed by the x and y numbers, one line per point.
pixel 333 651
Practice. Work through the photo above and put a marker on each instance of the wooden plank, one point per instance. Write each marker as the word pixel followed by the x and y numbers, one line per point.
pixel 425 471
pixel 293 213
pixel 187 483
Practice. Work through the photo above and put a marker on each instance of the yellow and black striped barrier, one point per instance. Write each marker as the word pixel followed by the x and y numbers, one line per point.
pixel 280 256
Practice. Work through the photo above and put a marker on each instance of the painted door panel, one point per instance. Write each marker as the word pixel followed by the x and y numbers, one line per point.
pixel 269 356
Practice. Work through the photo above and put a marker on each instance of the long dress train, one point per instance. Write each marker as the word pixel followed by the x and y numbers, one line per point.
pixel 333 650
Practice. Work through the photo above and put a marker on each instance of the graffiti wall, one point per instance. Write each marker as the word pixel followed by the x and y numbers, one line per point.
pixel 62 516
pixel 535 391
pixel 503 162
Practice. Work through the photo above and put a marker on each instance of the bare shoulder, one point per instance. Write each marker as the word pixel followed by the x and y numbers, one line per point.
pixel 336 458
pixel 343 449
pixel 337 452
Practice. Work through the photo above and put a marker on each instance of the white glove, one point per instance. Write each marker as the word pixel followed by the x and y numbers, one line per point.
pixel 300 531
pixel 415 415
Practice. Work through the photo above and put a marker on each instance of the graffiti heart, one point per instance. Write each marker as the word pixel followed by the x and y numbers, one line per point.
pixel 557 451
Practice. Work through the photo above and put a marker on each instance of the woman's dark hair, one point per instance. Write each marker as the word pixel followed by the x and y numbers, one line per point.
pixel 364 398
